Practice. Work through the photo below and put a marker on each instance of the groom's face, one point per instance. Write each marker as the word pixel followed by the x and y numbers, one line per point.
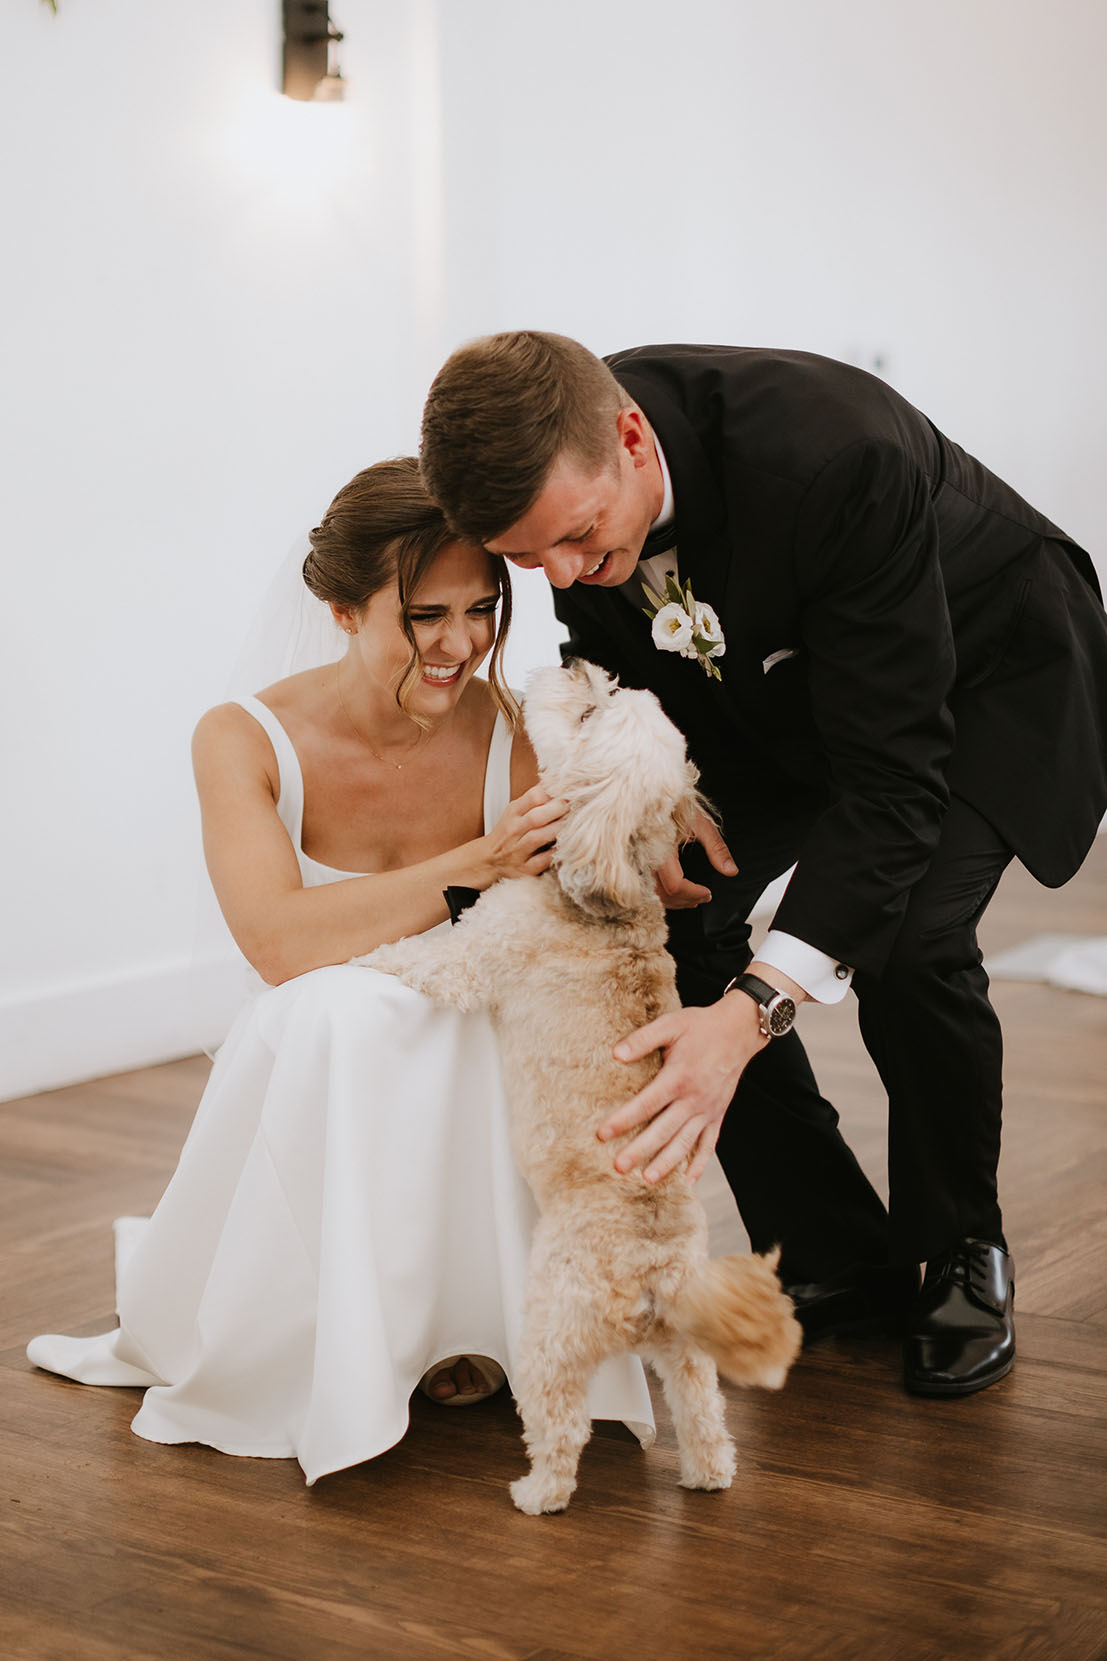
pixel 588 525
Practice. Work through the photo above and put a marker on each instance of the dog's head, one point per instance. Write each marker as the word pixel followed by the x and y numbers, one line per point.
pixel 613 754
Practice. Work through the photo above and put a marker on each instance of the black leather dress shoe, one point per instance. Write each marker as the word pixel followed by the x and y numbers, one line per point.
pixel 962 1332
pixel 859 1302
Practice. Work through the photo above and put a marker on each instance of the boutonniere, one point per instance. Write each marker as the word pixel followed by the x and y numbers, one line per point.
pixel 683 624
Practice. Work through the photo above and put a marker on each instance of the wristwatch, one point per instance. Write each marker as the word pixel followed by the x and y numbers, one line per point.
pixel 776 1009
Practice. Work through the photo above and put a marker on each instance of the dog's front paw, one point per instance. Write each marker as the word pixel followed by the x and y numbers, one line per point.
pixel 537 1495
pixel 390 960
pixel 711 1469
pixel 405 960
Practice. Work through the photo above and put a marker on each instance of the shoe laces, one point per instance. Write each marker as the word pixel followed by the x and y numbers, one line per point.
pixel 956 1264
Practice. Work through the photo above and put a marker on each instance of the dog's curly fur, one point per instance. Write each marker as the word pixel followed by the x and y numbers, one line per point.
pixel 568 963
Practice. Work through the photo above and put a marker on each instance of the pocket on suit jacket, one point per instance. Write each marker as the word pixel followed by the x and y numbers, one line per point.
pixel 781 656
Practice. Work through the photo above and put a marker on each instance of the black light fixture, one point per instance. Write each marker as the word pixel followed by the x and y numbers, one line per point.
pixel 309 37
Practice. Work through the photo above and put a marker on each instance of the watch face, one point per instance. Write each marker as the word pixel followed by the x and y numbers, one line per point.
pixel 781 1017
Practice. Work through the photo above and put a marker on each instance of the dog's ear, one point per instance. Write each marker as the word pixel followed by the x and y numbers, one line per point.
pixel 608 850
pixel 594 860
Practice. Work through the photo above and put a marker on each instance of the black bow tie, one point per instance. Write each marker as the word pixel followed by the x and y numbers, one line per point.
pixel 662 541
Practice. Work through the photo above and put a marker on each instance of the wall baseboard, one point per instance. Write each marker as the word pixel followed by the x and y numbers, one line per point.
pixel 68 1034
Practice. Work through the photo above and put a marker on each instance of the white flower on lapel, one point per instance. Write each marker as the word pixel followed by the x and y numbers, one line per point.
pixel 683 624
pixel 708 627
pixel 672 628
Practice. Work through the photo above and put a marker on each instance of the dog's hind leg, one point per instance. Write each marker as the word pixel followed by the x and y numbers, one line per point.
pixel 699 1412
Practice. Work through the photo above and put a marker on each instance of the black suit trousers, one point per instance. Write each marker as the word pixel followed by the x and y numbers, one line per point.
pixel 929 1027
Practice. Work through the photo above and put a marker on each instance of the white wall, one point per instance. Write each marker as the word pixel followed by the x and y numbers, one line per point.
pixel 920 184
pixel 218 305
pixel 210 323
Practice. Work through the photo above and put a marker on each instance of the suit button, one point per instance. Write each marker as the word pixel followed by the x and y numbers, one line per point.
pixel 841 972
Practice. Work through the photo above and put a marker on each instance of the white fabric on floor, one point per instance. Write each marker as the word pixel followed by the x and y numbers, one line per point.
pixel 1076 961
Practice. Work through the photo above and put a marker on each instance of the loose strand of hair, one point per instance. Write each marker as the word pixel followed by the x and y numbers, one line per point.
pixel 503 697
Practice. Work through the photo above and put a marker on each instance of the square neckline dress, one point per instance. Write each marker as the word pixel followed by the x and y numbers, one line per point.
pixel 346 1213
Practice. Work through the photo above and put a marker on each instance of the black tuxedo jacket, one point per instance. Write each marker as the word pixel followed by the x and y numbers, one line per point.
pixel 944 636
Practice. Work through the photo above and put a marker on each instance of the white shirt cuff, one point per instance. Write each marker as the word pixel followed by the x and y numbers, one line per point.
pixel 823 978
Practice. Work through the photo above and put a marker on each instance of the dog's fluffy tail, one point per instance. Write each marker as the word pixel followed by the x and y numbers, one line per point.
pixel 734 1309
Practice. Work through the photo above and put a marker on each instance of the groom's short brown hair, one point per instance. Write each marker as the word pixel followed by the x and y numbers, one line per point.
pixel 500 412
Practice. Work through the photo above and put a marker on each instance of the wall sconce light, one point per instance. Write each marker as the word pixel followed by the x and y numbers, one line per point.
pixel 309 39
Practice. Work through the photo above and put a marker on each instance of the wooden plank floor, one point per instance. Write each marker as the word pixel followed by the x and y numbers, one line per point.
pixel 863 1523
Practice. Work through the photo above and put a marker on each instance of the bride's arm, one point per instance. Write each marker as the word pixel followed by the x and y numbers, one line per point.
pixel 285 929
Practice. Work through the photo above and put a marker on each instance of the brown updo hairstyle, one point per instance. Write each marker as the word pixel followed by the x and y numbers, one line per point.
pixel 382 528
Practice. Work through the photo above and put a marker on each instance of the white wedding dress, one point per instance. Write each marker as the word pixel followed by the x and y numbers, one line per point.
pixel 345 1214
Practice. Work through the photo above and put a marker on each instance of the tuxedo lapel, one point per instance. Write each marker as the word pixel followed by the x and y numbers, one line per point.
pixel 699 534
pixel 708 559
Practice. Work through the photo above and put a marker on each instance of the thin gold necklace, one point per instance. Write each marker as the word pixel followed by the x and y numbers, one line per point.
pixel 384 761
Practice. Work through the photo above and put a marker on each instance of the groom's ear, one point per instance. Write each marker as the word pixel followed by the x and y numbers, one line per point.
pixel 634 435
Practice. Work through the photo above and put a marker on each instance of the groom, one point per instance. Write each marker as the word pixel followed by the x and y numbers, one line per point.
pixel 891 672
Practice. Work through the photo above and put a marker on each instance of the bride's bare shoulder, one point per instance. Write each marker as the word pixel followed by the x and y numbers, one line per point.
pixel 524 762
pixel 293 700
pixel 477 710
pixel 229 735
pixel 524 767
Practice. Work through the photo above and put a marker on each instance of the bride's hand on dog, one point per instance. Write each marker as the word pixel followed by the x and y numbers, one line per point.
pixel 675 891
pixel 521 843
pixel 682 1108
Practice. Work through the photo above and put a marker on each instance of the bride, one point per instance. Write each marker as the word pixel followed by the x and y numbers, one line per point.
pixel 346 1221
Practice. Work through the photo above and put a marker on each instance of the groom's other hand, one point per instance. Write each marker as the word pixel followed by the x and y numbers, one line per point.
pixel 675 890
pixel 705 1052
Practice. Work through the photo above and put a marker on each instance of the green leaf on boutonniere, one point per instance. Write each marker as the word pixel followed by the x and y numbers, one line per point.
pixel 653 597
pixel 673 590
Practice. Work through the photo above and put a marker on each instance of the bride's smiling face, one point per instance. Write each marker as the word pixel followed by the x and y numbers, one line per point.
pixel 453 618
